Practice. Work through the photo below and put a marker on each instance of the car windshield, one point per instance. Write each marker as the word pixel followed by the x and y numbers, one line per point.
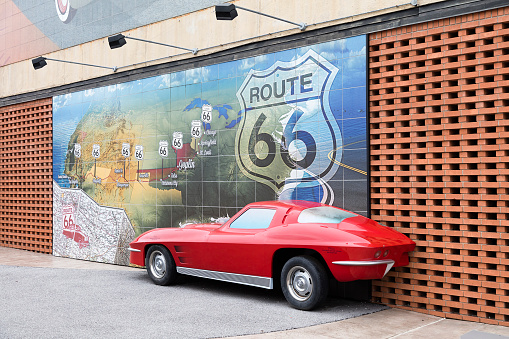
pixel 254 218
pixel 324 214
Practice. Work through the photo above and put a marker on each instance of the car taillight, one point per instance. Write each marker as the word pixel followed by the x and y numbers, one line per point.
pixel 378 254
pixel 386 253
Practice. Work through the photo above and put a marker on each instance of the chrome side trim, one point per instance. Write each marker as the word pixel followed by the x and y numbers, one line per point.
pixel 363 263
pixel 388 262
pixel 133 250
pixel 249 280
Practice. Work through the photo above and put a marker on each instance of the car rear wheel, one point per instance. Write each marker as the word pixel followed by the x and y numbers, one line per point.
pixel 304 282
pixel 160 265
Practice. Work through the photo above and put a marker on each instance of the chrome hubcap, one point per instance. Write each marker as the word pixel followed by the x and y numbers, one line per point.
pixel 299 283
pixel 157 264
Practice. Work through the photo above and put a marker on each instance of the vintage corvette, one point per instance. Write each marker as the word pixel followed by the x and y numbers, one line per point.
pixel 298 244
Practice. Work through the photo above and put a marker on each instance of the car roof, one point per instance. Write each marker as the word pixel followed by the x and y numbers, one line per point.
pixel 299 204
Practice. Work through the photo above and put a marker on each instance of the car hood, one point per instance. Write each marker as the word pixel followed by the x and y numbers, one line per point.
pixel 198 232
pixel 205 227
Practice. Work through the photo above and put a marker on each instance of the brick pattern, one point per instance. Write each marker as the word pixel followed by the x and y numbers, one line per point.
pixel 439 124
pixel 26 176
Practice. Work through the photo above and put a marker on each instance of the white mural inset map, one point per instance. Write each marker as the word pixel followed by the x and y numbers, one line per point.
pixel 83 229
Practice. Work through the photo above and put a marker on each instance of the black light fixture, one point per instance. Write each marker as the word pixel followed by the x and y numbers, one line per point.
pixel 40 62
pixel 226 12
pixel 229 12
pixel 118 41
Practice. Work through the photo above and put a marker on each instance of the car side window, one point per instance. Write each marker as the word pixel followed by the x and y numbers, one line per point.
pixel 254 218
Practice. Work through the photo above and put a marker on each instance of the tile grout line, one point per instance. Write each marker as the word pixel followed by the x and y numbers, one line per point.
pixel 417 328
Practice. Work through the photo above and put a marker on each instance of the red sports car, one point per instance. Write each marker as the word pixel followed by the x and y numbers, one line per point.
pixel 297 243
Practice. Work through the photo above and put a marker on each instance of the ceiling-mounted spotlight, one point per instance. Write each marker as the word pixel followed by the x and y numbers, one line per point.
pixel 118 41
pixel 229 12
pixel 40 62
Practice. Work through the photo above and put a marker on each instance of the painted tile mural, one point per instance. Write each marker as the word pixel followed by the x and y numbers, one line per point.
pixel 200 144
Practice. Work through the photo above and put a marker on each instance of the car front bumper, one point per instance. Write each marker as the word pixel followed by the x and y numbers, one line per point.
pixel 136 254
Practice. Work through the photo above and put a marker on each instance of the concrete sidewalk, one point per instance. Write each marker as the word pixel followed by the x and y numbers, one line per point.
pixel 392 323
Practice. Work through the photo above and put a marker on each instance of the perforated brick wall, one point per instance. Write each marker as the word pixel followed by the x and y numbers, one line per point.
pixel 439 124
pixel 25 176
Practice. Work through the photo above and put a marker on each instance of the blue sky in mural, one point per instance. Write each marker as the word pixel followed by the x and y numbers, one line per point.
pixel 346 54
pixel 352 50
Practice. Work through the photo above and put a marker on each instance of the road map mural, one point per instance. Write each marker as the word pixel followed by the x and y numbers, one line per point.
pixel 200 144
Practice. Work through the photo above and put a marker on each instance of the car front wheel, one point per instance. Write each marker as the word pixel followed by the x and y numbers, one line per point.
pixel 160 265
pixel 304 282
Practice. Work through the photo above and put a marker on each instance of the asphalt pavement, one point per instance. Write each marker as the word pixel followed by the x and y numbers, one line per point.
pixel 76 303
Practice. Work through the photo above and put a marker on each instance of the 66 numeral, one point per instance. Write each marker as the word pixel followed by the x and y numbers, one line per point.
pixel 177 143
pixel 68 222
pixel 256 137
pixel 206 116
pixel 289 135
pixel 196 131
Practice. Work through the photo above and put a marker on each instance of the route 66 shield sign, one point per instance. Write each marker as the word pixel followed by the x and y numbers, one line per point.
pixel 163 148
pixel 196 129
pixel 77 150
pixel 126 150
pixel 177 140
pixel 206 113
pixel 289 136
pixel 96 150
pixel 138 152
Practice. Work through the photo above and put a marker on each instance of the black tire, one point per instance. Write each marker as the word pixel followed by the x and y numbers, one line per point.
pixel 304 282
pixel 160 265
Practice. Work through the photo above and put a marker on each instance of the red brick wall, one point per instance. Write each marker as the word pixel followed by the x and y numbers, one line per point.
pixel 26 176
pixel 439 124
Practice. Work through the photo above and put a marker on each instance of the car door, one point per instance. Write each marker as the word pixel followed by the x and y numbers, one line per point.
pixel 239 246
